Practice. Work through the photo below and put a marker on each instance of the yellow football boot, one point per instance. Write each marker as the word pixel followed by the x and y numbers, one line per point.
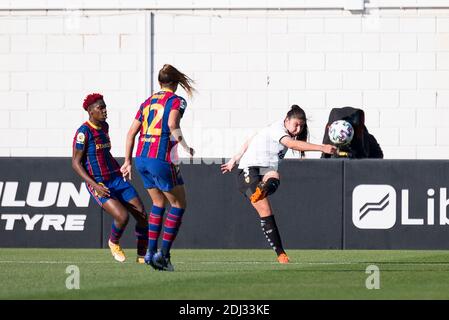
pixel 117 252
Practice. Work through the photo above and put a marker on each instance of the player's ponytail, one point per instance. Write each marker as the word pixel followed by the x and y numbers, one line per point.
pixel 169 75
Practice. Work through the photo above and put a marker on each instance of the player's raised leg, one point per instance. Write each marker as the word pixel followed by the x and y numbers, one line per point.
pixel 267 186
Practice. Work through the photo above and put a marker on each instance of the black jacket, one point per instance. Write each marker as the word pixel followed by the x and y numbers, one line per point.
pixel 363 144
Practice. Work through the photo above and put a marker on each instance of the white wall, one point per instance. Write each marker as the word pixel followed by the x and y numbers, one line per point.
pixel 249 67
pixel 50 62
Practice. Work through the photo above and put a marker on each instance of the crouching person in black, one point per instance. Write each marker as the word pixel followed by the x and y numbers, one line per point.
pixel 362 145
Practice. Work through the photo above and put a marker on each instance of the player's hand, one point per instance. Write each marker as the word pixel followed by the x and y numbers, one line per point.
pixel 101 190
pixel 329 149
pixel 227 167
pixel 126 170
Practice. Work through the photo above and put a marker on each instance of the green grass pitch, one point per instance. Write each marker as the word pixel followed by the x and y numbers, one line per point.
pixel 225 274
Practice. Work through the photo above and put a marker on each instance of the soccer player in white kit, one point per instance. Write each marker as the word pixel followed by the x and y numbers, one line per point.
pixel 258 175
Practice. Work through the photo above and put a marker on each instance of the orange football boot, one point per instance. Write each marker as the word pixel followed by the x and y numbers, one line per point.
pixel 259 194
pixel 283 258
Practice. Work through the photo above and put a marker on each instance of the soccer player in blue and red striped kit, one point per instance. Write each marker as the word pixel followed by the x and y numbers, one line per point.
pixel 158 120
pixel 92 161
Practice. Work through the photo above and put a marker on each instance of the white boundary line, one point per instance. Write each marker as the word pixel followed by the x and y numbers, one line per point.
pixel 237 263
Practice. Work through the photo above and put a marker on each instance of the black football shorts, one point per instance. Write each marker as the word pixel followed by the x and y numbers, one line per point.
pixel 248 179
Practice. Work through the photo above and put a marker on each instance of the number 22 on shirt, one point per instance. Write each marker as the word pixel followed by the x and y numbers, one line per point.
pixel 157 117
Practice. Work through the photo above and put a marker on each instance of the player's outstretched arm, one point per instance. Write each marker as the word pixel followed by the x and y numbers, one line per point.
pixel 228 166
pixel 129 147
pixel 306 146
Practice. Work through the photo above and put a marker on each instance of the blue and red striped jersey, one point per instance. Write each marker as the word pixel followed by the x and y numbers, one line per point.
pixel 155 140
pixel 97 159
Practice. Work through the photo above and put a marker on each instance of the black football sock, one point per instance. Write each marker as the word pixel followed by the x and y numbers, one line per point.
pixel 271 232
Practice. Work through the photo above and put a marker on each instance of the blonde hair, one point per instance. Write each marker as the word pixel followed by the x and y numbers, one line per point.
pixel 169 75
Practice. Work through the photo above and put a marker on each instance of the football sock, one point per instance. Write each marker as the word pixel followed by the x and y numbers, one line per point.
pixel 116 233
pixel 155 225
pixel 271 232
pixel 142 239
pixel 171 227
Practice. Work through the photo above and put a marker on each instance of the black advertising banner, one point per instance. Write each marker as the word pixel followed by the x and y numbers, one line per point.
pixel 43 203
pixel 320 204
pixel 396 204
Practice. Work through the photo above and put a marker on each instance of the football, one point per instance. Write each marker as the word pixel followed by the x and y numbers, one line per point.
pixel 341 132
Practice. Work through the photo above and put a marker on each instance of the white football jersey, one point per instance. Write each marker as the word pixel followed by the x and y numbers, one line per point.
pixel 265 149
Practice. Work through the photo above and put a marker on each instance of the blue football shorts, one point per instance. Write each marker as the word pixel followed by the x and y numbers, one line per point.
pixel 158 174
pixel 118 188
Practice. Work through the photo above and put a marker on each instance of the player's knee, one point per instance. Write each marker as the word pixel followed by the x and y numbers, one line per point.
pixel 158 202
pixel 140 208
pixel 142 219
pixel 139 214
pixel 121 220
pixel 271 185
pixel 179 203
